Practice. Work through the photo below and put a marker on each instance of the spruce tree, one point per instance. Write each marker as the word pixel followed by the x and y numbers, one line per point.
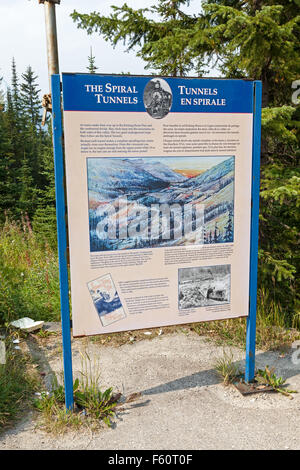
pixel 44 220
pixel 261 40
pixel 31 102
pixel 8 181
pixel 15 90
pixel 31 122
pixel 216 238
pixel 14 113
pixel 92 66
pixel 258 39
pixel 229 228
pixel 26 189
pixel 162 44
pixel 12 147
pixel 26 152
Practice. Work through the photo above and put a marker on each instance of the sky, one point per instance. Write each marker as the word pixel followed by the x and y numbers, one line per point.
pixel 22 36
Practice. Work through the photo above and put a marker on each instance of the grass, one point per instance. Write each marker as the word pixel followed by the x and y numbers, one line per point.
pixel 29 282
pixel 231 332
pixel 30 287
pixel 29 276
pixel 272 331
pixel 227 369
pixel 45 333
pixel 18 381
pixel 92 407
pixel 131 337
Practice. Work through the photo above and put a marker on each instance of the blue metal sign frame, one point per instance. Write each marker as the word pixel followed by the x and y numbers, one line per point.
pixel 62 235
pixel 251 320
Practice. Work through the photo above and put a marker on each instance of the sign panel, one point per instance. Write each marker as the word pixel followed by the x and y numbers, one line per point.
pixel 158 175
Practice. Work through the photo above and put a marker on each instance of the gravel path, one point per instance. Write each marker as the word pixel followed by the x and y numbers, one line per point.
pixel 183 404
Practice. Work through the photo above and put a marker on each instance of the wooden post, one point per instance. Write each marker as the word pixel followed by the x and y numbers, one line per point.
pixel 51 34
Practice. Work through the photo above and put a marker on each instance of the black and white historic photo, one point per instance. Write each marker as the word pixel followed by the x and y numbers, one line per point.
pixel 204 286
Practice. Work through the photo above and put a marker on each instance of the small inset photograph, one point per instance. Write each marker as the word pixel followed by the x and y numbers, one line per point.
pixel 157 98
pixel 204 286
pixel 106 300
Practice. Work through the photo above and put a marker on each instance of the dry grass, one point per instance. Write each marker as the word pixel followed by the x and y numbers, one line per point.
pixel 227 369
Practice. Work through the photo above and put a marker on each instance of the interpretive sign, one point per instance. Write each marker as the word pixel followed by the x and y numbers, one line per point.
pixel 159 188
pixel 162 178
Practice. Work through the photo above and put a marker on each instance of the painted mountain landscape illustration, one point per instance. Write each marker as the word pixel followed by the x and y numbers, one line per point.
pixel 127 197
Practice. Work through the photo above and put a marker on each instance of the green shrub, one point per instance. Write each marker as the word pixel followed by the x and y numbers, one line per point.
pixel 28 275
pixel 17 384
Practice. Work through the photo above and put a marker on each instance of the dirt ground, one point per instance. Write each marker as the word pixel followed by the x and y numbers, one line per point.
pixel 183 404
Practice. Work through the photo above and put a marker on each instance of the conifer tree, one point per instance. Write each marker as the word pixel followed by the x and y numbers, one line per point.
pixel 31 102
pixel 24 148
pixel 92 66
pixel 8 183
pixel 26 189
pixel 162 44
pixel 11 147
pixel 15 91
pixel 44 220
pixel 216 238
pixel 31 118
pixel 13 115
pixel 258 39
pixel 229 228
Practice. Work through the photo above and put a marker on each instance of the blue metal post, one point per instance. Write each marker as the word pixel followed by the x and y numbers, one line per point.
pixel 62 238
pixel 251 321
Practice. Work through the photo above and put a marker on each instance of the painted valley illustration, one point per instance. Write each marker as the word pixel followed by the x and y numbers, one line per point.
pixel 150 202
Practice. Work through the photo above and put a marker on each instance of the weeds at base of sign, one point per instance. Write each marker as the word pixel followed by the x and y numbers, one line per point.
pixel 227 369
pixel 45 333
pixel 265 379
pixel 92 407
